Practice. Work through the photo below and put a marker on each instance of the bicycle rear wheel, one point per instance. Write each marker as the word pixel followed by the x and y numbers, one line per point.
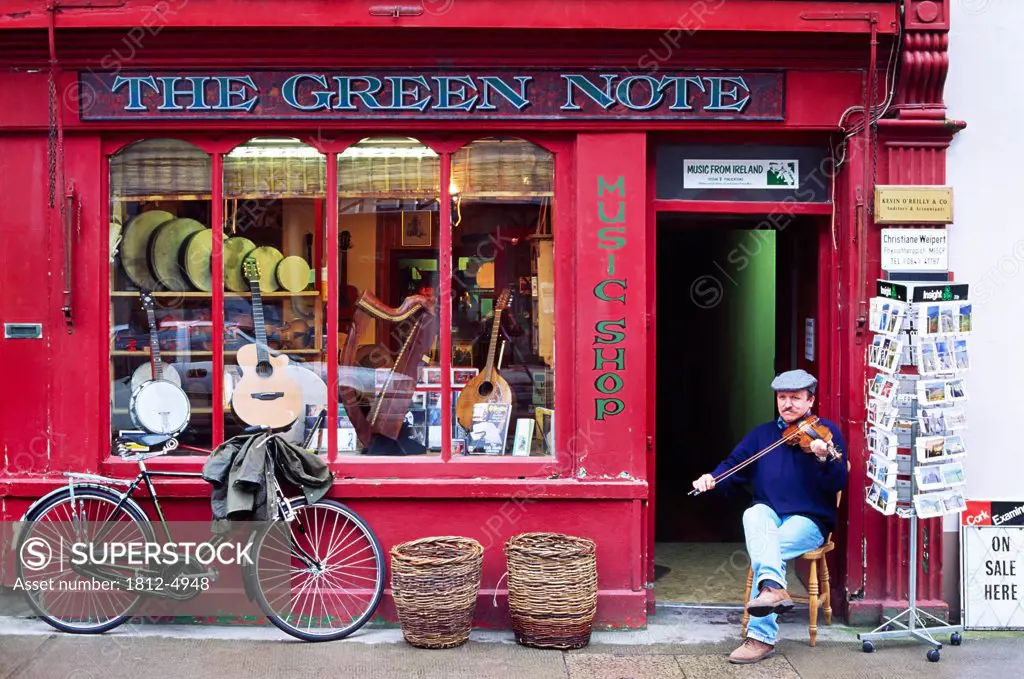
pixel 72 601
pixel 320 577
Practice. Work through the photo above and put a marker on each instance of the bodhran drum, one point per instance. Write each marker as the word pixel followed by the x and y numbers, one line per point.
pixel 293 273
pixel 268 257
pixel 135 247
pixel 165 252
pixel 236 249
pixel 196 259
pixel 159 407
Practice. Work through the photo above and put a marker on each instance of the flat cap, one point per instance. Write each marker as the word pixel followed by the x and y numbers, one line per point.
pixel 794 380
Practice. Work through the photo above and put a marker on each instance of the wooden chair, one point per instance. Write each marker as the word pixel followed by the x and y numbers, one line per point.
pixel 813 598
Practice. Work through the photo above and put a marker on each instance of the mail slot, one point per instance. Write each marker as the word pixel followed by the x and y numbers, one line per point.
pixel 23 330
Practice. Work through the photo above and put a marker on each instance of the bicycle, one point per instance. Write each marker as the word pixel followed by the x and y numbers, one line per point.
pixel 340 575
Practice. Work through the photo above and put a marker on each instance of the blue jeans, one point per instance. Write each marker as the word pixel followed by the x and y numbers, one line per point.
pixel 771 542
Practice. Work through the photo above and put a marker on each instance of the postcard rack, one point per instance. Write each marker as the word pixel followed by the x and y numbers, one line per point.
pixel 919 350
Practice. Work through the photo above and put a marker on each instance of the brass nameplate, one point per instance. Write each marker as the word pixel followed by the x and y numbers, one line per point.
pixel 913 205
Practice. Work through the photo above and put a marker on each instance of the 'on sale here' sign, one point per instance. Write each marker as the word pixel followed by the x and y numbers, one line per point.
pixel 992 565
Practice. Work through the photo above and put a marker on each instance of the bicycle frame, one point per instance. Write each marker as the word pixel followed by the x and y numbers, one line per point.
pixel 145 476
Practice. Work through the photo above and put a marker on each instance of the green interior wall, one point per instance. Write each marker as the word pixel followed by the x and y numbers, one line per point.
pixel 751 333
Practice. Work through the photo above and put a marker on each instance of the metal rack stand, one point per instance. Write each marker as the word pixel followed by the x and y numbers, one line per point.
pixel 917 620
pixel 916 624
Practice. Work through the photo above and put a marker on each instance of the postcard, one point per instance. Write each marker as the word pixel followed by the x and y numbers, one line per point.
pixel 928 323
pixel 882 443
pixel 882 471
pixel 954 502
pixel 929 505
pixel 946 321
pixel 883 387
pixel 954 419
pixel 965 318
pixel 929 477
pixel 928 359
pixel 882 414
pixel 954 447
pixel 945 356
pixel 886 316
pixel 953 474
pixel 931 448
pixel 881 498
pixel 962 358
pixel 956 390
pixel 931 392
pixel 930 421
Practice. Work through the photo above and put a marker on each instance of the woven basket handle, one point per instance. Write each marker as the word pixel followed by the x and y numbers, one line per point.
pixel 494 599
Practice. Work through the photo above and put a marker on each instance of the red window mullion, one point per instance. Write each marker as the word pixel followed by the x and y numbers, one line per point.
pixel 444 296
pixel 217 300
pixel 330 253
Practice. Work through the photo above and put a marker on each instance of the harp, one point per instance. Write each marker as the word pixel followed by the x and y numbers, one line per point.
pixel 379 406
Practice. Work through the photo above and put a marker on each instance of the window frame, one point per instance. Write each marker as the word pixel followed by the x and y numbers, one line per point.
pixel 560 465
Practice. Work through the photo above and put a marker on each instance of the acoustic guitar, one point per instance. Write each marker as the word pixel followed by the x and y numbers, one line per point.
pixel 488 386
pixel 265 395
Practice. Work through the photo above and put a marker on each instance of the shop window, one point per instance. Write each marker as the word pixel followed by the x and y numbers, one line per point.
pixel 275 349
pixel 503 298
pixel 160 289
pixel 389 234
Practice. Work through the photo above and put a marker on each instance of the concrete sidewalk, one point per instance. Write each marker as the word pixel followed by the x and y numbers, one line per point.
pixel 674 645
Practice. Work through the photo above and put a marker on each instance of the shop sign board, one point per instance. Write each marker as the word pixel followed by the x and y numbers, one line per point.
pixel 741 174
pixel 913 204
pixel 915 250
pixel 470 94
pixel 992 565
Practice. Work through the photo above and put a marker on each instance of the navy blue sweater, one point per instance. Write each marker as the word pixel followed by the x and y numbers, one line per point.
pixel 787 479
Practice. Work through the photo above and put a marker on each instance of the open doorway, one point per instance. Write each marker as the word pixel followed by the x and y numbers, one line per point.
pixel 733 300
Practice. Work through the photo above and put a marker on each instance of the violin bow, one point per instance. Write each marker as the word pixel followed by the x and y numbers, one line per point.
pixel 754 458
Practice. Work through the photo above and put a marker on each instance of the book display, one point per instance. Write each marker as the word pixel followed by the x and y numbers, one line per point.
pixel 920 350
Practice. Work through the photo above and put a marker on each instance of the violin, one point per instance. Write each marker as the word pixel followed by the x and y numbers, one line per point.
pixel 801 433
pixel 808 430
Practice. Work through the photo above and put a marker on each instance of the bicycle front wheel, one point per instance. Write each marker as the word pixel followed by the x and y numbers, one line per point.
pixel 321 576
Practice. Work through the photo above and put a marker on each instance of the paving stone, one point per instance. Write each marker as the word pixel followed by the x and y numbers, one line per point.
pixel 719 667
pixel 621 666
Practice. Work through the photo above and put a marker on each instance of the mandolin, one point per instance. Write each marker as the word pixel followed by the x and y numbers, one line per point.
pixel 488 386
pixel 265 395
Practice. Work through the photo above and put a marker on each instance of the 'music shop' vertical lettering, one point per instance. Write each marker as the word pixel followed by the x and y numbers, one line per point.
pixel 610 332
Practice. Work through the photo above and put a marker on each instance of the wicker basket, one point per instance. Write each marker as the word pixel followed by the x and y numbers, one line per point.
pixel 434 582
pixel 552 589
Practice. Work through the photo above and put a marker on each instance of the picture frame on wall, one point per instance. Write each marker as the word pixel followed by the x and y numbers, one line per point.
pixel 416 229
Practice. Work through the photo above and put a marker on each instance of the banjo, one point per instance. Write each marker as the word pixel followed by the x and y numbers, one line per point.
pixel 158 405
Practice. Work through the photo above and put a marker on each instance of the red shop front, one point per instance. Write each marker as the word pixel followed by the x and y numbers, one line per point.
pixel 638 218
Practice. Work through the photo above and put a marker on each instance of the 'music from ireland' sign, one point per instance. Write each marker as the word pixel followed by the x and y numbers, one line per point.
pixel 741 174
pixel 431 94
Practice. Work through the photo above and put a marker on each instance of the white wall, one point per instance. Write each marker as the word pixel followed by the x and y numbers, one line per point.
pixel 986 169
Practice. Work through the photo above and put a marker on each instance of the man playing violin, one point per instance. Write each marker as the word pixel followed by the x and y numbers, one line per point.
pixel 793 508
